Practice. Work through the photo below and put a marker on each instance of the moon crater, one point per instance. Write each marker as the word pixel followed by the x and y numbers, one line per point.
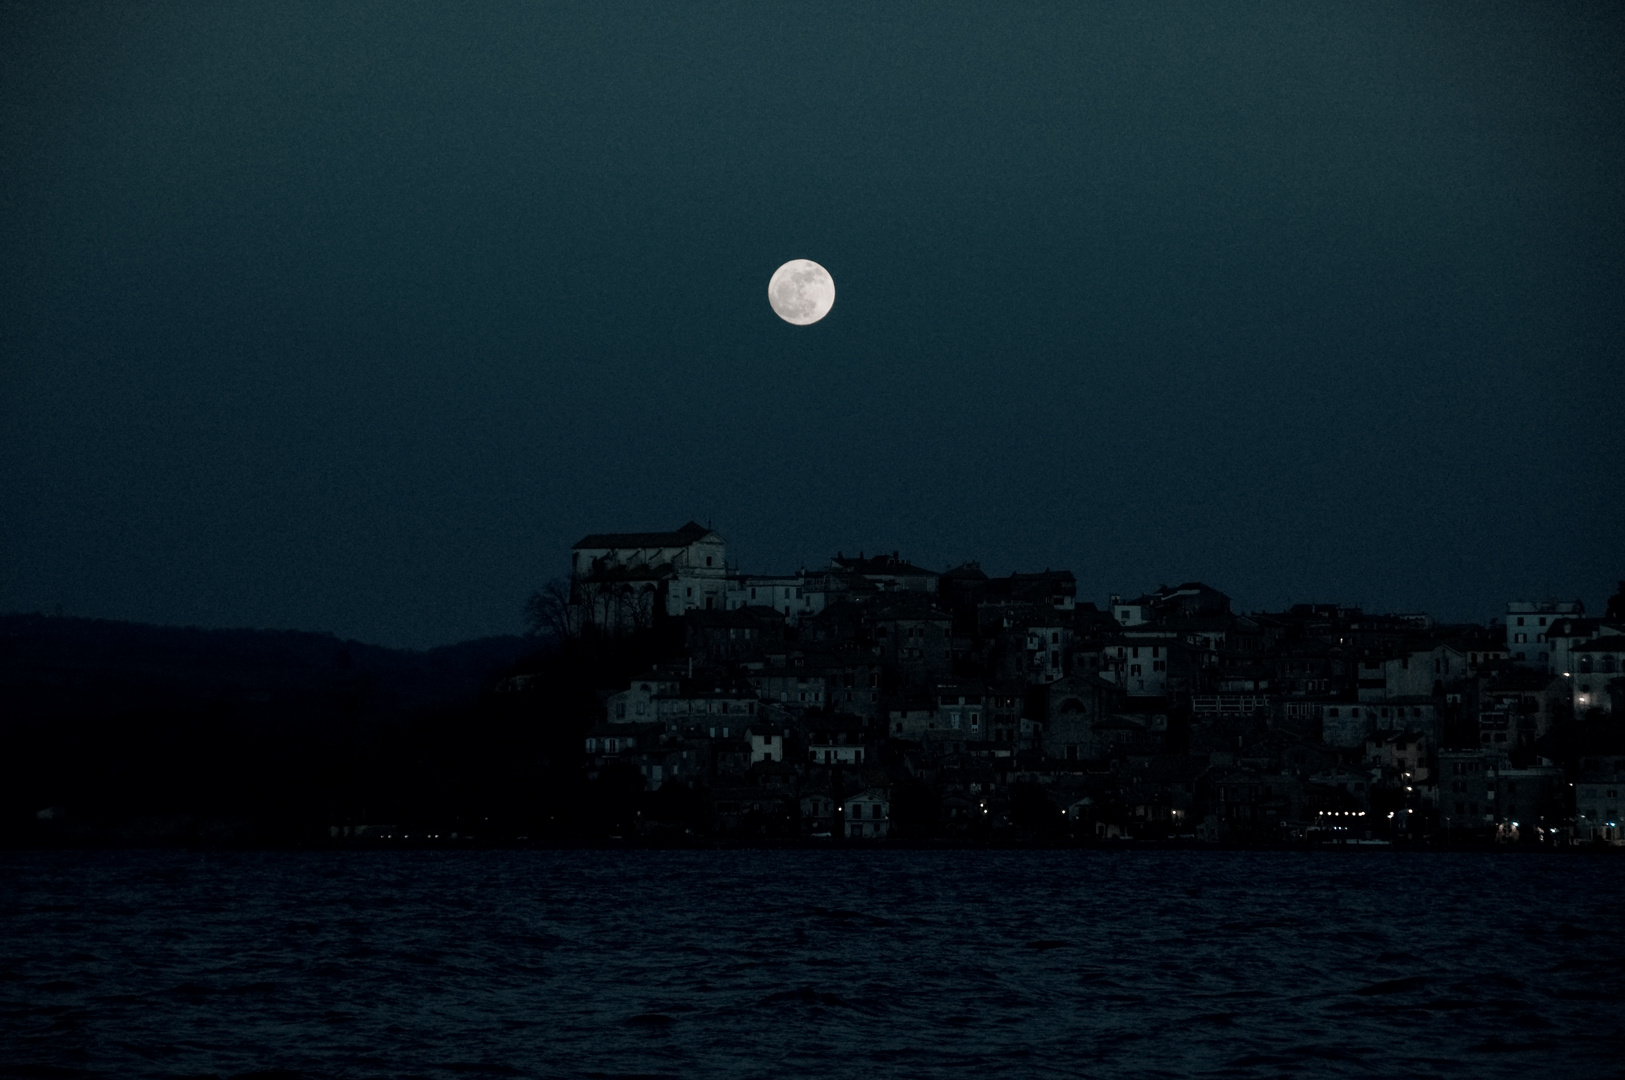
pixel 801 292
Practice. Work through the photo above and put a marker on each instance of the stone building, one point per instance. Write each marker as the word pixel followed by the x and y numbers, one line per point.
pixel 624 581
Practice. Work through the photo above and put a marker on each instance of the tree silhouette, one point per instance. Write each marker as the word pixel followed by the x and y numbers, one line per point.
pixel 550 614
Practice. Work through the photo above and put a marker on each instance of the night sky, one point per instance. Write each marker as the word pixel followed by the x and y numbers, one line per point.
pixel 355 317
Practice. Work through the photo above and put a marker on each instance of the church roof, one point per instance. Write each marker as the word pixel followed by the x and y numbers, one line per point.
pixel 683 537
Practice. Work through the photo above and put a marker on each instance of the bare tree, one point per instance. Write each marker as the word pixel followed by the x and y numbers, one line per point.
pixel 643 612
pixel 550 612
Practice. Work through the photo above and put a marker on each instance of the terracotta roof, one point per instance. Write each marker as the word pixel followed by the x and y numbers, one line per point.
pixel 750 616
pixel 880 564
pixel 917 610
pixel 681 538
pixel 1044 575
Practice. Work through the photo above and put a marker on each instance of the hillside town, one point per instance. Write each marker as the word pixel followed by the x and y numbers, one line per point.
pixel 872 697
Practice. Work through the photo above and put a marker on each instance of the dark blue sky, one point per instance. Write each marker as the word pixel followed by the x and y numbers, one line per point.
pixel 355 320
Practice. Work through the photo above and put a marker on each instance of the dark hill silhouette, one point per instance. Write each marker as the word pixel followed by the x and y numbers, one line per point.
pixel 120 732
pixel 85 654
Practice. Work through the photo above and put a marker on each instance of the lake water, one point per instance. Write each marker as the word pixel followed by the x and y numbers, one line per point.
pixel 841 963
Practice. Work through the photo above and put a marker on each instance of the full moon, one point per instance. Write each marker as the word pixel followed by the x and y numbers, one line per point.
pixel 801 292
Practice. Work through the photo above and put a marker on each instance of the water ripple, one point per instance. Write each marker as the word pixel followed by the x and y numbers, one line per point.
pixel 797 963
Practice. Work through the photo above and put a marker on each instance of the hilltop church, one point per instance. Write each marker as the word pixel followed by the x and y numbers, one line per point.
pixel 624 579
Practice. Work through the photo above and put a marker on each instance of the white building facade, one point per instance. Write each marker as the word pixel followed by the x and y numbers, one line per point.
pixel 1527 625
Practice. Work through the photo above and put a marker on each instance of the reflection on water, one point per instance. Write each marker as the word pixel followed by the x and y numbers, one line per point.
pixel 809 963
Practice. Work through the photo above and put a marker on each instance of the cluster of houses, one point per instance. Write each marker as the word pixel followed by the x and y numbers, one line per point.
pixel 873 695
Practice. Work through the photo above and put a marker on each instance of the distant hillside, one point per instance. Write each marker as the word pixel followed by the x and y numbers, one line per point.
pixel 99 658
pixel 104 724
